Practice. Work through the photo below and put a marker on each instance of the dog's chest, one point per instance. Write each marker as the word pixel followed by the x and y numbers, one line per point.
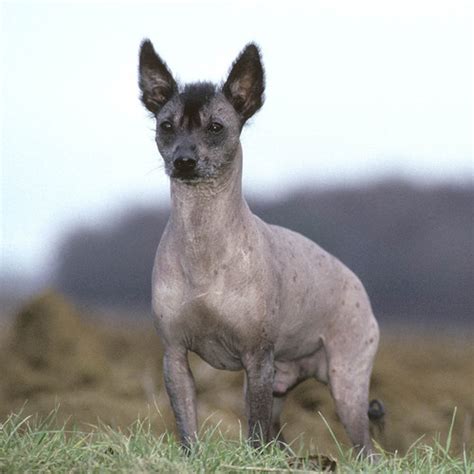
pixel 218 350
pixel 217 322
pixel 213 329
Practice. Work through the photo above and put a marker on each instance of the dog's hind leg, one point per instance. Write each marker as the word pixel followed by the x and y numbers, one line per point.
pixel 350 390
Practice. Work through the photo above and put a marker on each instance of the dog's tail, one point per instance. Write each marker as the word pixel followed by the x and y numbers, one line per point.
pixel 377 416
pixel 376 411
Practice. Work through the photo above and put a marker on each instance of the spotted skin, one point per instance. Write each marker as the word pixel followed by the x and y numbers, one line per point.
pixel 239 292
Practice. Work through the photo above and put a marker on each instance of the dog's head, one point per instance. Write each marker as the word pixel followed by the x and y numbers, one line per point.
pixel 198 126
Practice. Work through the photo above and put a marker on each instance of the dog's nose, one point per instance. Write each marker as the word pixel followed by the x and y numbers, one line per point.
pixel 184 163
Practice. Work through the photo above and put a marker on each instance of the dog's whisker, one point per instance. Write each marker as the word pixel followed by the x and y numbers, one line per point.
pixel 156 168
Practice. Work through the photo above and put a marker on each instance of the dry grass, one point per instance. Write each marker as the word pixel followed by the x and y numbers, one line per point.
pixel 51 356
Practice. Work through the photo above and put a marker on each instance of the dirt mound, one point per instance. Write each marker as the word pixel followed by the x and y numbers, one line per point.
pixel 51 347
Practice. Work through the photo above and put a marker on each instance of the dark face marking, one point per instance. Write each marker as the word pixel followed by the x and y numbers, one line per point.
pixel 194 97
pixel 198 123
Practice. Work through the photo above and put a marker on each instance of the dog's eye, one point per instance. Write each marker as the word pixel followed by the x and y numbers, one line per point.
pixel 215 127
pixel 166 126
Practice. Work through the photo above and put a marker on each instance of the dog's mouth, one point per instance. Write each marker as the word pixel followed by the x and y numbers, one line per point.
pixel 185 175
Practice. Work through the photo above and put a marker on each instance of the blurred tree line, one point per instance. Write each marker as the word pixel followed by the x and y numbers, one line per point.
pixel 411 245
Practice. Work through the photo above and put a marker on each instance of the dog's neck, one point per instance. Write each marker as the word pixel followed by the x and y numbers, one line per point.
pixel 209 219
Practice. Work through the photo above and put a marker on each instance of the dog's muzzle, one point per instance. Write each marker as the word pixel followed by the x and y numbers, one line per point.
pixel 184 167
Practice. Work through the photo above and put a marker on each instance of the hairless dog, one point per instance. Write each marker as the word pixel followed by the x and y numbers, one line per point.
pixel 239 292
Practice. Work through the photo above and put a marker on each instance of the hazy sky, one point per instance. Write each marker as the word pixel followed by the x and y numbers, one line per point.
pixel 355 90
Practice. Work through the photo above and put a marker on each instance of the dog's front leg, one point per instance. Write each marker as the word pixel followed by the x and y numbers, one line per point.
pixel 181 390
pixel 259 395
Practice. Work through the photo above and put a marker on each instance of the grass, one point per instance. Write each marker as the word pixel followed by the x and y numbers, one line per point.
pixel 67 370
pixel 29 444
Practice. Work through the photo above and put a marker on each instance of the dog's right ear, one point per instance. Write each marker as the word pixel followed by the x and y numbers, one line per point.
pixel 155 80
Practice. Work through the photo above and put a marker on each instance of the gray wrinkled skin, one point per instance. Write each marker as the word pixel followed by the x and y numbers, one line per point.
pixel 244 294
pixel 197 142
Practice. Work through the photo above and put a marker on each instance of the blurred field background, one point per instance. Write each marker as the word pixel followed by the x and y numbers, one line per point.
pixel 89 347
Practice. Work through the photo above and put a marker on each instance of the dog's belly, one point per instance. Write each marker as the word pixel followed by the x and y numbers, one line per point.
pixel 290 373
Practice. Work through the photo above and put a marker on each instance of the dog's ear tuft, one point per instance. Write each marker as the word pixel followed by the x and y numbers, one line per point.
pixel 155 80
pixel 246 82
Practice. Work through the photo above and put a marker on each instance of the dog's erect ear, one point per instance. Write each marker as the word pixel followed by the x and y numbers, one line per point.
pixel 155 79
pixel 246 82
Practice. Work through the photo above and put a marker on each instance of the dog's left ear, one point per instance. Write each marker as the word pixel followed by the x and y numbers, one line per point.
pixel 246 82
